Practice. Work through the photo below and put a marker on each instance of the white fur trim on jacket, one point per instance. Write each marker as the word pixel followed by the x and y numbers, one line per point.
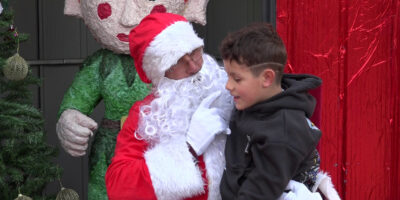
pixel 325 185
pixel 214 158
pixel 167 47
pixel 173 172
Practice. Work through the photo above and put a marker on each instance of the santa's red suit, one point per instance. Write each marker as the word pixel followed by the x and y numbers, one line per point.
pixel 166 171
pixel 163 167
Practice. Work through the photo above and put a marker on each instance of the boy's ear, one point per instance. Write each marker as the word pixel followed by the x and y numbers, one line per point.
pixel 267 77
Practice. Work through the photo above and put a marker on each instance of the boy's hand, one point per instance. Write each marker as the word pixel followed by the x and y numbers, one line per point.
pixel 298 191
pixel 205 124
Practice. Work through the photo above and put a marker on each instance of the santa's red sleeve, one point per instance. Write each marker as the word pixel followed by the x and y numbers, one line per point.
pixel 128 176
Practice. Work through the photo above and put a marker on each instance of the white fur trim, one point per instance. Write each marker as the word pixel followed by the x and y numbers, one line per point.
pixel 215 162
pixel 167 48
pixel 325 185
pixel 173 172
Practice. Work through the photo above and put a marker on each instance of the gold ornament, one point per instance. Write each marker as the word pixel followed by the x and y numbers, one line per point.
pixel 67 194
pixel 22 197
pixel 15 68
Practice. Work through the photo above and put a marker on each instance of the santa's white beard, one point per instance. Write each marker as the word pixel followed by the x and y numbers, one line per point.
pixel 169 114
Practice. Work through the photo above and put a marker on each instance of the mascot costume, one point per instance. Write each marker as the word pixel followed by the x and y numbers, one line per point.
pixel 109 75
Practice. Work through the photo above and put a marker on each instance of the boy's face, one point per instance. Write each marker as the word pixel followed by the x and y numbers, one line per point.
pixel 187 65
pixel 246 88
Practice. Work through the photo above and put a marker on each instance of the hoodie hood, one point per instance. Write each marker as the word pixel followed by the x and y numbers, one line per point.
pixel 295 95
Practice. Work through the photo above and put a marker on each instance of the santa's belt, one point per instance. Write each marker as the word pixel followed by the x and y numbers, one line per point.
pixel 113 124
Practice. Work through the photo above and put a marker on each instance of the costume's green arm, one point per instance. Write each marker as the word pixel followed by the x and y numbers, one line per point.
pixel 84 93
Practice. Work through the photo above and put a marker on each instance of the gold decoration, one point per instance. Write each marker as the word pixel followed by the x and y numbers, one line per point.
pixel 67 194
pixel 22 197
pixel 123 118
pixel 15 68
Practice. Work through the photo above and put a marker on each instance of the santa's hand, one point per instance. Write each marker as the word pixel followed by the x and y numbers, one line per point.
pixel 205 124
pixel 298 191
pixel 73 130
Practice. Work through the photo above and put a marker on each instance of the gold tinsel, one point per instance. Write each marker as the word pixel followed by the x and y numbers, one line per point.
pixel 15 68
pixel 22 197
pixel 67 194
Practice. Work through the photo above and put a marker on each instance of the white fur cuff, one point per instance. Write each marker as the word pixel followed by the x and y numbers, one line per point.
pixel 325 185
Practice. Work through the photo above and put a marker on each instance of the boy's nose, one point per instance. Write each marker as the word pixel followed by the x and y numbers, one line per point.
pixel 228 86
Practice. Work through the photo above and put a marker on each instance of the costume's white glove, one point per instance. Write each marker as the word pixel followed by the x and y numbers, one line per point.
pixel 73 130
pixel 205 124
pixel 298 191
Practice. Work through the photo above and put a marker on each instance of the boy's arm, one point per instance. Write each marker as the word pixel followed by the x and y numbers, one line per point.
pixel 275 165
pixel 276 154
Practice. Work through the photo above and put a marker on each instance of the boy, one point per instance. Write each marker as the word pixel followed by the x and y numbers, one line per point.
pixel 272 139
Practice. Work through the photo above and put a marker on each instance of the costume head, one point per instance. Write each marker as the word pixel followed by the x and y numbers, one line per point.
pixel 158 42
pixel 111 20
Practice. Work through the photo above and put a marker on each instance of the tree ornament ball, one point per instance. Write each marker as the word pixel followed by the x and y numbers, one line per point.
pixel 67 194
pixel 15 68
pixel 22 197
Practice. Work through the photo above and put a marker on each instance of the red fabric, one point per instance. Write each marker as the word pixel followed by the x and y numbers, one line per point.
pixel 143 34
pixel 354 47
pixel 128 177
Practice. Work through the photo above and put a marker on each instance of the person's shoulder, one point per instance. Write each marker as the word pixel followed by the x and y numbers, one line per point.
pixel 300 131
pixel 282 126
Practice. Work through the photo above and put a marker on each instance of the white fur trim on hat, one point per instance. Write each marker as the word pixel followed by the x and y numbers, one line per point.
pixel 168 47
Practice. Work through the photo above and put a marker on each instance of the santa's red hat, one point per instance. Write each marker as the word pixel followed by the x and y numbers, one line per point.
pixel 158 42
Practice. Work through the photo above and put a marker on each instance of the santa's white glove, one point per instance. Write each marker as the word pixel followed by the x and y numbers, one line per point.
pixel 205 124
pixel 298 191
pixel 73 130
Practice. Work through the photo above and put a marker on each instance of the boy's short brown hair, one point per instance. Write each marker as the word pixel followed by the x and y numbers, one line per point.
pixel 258 46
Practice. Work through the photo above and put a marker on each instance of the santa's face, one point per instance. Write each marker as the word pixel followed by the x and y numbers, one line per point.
pixel 170 113
pixel 187 65
pixel 110 21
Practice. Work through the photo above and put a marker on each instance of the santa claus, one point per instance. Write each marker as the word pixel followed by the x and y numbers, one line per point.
pixel 171 145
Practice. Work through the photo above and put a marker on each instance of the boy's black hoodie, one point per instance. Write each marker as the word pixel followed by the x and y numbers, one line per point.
pixel 271 142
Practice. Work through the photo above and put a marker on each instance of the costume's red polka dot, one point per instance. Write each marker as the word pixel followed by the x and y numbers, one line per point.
pixel 104 10
pixel 186 1
pixel 159 9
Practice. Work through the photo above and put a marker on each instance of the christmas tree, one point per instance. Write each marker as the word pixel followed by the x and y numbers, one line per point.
pixel 26 165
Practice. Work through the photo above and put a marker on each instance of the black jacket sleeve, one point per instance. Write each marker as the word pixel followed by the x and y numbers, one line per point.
pixel 277 149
